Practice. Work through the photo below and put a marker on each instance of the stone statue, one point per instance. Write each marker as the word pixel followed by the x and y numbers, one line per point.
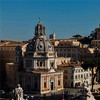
pixel 18 93
pixel 87 95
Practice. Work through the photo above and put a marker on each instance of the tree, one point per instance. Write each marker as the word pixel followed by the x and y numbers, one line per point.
pixel 77 36
pixel 92 64
pixel 85 40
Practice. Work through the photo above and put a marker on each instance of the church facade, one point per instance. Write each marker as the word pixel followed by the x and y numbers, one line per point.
pixel 39 73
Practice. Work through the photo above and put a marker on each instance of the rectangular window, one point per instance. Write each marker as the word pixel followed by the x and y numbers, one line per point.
pixel 75 76
pixel 71 76
pixel 81 76
pixel 41 63
pixel 58 82
pixel 45 84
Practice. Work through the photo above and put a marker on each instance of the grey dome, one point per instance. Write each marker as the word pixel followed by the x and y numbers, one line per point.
pixel 40 44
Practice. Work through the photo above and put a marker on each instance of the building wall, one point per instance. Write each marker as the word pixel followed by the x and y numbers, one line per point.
pixel 62 60
pixel 80 75
pixel 95 43
pixel 73 49
pixel 67 48
pixel 73 52
pixel 0 70
pixel 56 78
pixel 40 82
pixel 74 75
pixel 7 49
pixel 97 33
pixel 10 75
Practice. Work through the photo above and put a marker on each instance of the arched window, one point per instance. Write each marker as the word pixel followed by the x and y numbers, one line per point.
pixel 41 64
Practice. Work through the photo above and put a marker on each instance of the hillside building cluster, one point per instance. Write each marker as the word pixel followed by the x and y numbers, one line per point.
pixel 47 65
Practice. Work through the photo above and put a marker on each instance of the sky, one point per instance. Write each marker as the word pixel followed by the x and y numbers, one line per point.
pixel 65 18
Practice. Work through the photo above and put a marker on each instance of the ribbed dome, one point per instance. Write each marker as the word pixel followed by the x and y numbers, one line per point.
pixel 40 44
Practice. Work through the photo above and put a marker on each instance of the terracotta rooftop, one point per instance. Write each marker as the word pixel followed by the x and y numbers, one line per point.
pixel 7 44
pixel 95 40
pixel 70 64
pixel 43 71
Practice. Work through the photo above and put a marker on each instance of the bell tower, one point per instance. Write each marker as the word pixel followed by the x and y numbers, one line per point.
pixel 39 29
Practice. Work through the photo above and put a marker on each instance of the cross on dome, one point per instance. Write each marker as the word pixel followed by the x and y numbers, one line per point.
pixel 40 21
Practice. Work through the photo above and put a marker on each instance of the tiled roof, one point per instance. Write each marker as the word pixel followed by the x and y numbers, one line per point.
pixel 70 64
pixel 8 44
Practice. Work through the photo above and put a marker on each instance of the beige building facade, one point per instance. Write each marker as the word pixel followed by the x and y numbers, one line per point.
pixel 74 75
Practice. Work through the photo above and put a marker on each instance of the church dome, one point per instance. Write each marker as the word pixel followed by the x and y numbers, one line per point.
pixel 39 43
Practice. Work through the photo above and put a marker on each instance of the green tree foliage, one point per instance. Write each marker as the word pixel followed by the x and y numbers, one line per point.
pixel 91 64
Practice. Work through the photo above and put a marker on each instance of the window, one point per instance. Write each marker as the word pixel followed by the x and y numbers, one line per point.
pixel 45 84
pixel 69 49
pixel 40 63
pixel 58 82
pixel 86 75
pixel 71 76
pixel 72 71
pixel 78 76
pixel 75 76
pixel 81 76
pixel 52 64
pixel 76 70
pixel 79 70
pixel 90 74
